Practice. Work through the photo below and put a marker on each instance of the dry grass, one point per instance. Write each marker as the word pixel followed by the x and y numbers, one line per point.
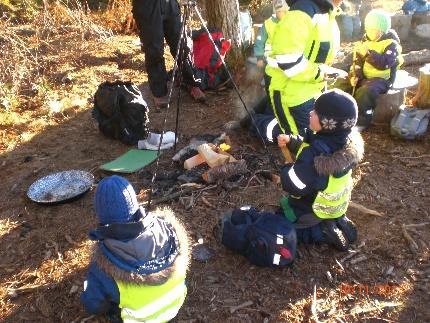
pixel 117 17
pixel 36 58
pixel 24 69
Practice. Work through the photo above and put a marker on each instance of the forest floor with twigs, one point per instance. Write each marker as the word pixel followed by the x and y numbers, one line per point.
pixel 45 249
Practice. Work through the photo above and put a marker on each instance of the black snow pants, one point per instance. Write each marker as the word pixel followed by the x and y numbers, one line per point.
pixel 156 20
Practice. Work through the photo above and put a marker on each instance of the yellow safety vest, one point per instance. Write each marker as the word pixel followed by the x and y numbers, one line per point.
pixel 320 44
pixel 270 26
pixel 333 201
pixel 152 303
pixel 369 71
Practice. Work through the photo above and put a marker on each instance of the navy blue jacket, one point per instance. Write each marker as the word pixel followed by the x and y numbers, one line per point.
pixel 137 253
pixel 310 173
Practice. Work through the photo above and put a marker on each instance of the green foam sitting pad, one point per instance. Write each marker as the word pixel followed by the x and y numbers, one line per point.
pixel 131 161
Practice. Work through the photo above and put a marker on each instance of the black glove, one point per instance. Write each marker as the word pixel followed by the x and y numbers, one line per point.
pixel 339 232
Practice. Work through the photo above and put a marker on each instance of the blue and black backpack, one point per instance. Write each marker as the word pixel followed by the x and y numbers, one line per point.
pixel 266 239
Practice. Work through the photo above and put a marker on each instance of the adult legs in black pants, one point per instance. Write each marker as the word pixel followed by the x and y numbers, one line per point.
pixel 156 20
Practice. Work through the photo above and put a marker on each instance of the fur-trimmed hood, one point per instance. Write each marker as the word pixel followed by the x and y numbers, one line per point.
pixel 180 264
pixel 342 160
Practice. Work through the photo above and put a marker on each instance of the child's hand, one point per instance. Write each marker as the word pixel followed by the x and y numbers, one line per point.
pixel 283 140
pixel 353 81
pixel 260 63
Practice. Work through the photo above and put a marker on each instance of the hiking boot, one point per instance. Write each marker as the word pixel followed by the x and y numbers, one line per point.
pixel 161 101
pixel 348 227
pixel 197 94
pixel 333 235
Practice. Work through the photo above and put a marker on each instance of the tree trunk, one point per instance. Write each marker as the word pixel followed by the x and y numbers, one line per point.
pixel 224 14
pixel 418 57
pixel 422 98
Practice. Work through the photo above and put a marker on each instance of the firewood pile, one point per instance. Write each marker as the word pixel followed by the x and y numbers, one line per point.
pixel 206 163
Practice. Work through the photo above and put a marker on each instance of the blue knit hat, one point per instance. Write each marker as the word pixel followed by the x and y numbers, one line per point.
pixel 115 201
pixel 337 111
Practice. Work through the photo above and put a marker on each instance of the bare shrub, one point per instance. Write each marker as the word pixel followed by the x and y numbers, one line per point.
pixel 18 67
pixel 24 65
pixel 70 16
pixel 118 17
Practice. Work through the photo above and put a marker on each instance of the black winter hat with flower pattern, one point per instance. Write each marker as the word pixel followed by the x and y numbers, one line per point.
pixel 336 110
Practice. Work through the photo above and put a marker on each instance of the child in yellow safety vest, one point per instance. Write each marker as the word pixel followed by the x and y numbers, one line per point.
pixel 377 58
pixel 138 265
pixel 263 41
pixel 319 182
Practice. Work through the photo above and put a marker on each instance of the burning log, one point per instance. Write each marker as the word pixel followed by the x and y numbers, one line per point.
pixel 212 158
pixel 224 172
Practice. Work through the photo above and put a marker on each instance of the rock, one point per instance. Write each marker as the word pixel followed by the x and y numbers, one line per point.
pixel 74 289
pixel 66 79
pixel 389 271
pixel 231 125
pixel 202 252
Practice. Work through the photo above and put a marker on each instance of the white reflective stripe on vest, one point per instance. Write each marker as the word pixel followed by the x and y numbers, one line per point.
pixel 330 209
pixel 272 62
pixel 164 317
pixel 298 68
pixel 269 131
pixel 320 19
pixel 296 181
pixel 156 306
pixel 288 58
pixel 335 196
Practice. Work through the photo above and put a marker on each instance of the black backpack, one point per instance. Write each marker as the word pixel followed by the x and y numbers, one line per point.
pixel 121 112
pixel 266 239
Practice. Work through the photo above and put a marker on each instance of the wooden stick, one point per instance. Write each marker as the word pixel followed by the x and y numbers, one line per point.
pixel 412 244
pixel 358 259
pixel 364 209
pixel 413 225
pixel 205 201
pixel 374 308
pixel 352 254
pixel 238 307
pixel 287 154
pixel 314 305
pixel 354 73
pixel 413 157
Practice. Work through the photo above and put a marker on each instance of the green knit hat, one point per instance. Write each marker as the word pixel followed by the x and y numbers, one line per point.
pixel 377 19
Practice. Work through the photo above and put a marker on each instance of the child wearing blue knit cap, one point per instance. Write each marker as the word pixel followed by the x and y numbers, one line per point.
pixel 139 263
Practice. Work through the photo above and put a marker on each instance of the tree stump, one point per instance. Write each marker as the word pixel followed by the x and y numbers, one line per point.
pixel 420 19
pixel 387 105
pixel 422 99
pixel 402 24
